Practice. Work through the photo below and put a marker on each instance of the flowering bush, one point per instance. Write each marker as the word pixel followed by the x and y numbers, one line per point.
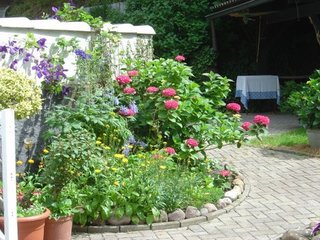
pixel 19 93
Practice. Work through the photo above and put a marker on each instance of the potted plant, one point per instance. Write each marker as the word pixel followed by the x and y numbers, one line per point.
pixel 31 213
pixel 305 104
pixel 60 203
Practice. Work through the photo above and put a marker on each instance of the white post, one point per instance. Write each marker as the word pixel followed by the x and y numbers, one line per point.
pixel 9 174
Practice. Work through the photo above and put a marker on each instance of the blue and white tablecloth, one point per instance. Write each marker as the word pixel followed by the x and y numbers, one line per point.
pixel 257 87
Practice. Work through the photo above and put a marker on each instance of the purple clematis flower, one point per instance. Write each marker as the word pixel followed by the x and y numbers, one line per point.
pixel 4 49
pixel 54 9
pixel 27 57
pixel 133 107
pixel 315 229
pixel 66 90
pixel 82 54
pixel 13 65
pixel 42 43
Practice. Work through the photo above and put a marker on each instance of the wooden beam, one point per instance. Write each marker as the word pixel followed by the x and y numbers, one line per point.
pixel 316 25
pixel 213 36
pixel 301 11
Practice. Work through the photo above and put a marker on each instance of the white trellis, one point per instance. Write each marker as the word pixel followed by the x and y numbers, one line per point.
pixel 9 175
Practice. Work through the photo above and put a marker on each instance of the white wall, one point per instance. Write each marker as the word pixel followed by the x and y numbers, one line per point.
pixel 17 28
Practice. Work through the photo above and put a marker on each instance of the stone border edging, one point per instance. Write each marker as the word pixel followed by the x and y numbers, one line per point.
pixel 167 225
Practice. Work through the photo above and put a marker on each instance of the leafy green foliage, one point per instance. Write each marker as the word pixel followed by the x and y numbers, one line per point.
pixel 287 89
pixel 305 103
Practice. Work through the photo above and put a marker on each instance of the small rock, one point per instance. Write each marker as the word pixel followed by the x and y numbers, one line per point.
pixel 163 217
pixel 238 182
pixel 204 211
pixel 240 176
pixel 237 189
pixel 223 202
pixel 211 207
pixel 125 220
pixel 292 235
pixel 305 232
pixel 192 212
pixel 233 195
pixel 177 215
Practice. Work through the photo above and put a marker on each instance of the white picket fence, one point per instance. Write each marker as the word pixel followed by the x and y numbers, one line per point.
pixel 8 155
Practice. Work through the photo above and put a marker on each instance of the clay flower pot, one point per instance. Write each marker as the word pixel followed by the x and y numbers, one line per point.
pixel 58 229
pixel 30 228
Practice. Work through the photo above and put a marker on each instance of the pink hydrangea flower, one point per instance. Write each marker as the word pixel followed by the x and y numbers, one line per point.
pixel 129 90
pixel 133 73
pixel 192 142
pixel 225 173
pixel 169 92
pixel 123 79
pixel 233 107
pixel 180 58
pixel 152 89
pixel 262 120
pixel 170 150
pixel 171 104
pixel 246 125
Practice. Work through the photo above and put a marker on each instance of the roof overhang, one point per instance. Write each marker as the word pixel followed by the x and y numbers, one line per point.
pixel 234 6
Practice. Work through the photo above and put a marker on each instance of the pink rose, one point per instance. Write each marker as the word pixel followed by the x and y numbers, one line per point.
pixel 129 90
pixel 246 125
pixel 123 79
pixel 233 107
pixel 170 150
pixel 225 173
pixel 192 142
pixel 133 73
pixel 168 92
pixel 152 89
pixel 261 120
pixel 171 104
pixel 180 58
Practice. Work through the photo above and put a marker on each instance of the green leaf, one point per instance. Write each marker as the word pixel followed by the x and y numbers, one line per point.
pixel 149 219
pixel 129 210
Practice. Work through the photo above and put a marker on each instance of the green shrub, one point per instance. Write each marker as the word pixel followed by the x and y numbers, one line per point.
pixel 287 89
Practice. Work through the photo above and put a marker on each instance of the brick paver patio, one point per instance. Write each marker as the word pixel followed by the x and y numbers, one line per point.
pixel 284 195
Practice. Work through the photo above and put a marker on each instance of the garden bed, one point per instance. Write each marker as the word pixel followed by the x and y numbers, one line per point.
pixel 214 211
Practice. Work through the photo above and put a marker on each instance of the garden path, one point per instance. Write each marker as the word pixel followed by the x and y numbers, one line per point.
pixel 284 195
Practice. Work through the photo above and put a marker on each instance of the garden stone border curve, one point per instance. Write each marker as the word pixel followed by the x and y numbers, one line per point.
pixel 171 224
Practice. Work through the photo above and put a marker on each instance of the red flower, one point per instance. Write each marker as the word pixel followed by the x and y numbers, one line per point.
pixel 192 142
pixel 168 92
pixel 261 120
pixel 123 79
pixel 170 150
pixel 233 107
pixel 171 104
pixel 246 125
pixel 180 58
pixel 152 89
pixel 129 90
pixel 133 73
pixel 225 173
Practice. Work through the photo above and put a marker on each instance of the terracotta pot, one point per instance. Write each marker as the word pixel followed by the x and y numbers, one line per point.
pixel 58 229
pixel 30 228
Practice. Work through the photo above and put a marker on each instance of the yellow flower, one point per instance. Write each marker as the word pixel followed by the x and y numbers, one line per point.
pixel 176 97
pixel 116 183
pixel 125 160
pixel 17 174
pixel 45 151
pixel 98 142
pixel 162 167
pixel 237 116
pixel 31 161
pixel 117 155
pixel 97 171
pixel 107 148
pixel 165 143
pixel 19 163
pixel 130 146
pixel 114 169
